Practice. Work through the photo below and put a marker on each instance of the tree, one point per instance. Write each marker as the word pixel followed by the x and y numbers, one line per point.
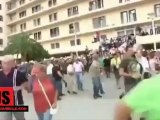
pixel 27 47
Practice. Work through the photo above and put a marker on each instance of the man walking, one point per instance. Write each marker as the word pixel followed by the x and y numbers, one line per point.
pixel 95 72
pixel 79 69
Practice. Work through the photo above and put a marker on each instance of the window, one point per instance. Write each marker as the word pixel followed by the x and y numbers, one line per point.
pixel 23 26
pixel 128 16
pixel 96 4
pixel 0 7
pixel 132 16
pixel 1 42
pixel 54 32
pixel 1 29
pixel 1 18
pixel 13 29
pixel 121 33
pixel 22 14
pixel 123 1
pixel 73 11
pixel 52 2
pixel 37 36
pixel 124 17
pixel 78 42
pixel 157 10
pixel 52 46
pixel 21 2
pixel 57 45
pixel 129 32
pixel 36 8
pixel 53 17
pixel 37 22
pixel 72 42
pixel 99 22
pixel 74 27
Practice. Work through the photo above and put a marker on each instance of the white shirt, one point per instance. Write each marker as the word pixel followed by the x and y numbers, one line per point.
pixel 152 63
pixel 70 68
pixel 145 63
pixel 78 67
pixel 49 69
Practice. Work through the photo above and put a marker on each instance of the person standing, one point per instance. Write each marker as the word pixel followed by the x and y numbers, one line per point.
pixel 130 69
pixel 49 70
pixel 11 77
pixel 71 83
pixel 44 92
pixel 57 75
pixel 115 62
pixel 95 72
pixel 79 70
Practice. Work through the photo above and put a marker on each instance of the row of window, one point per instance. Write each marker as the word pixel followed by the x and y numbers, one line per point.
pixel 126 17
pixel 95 4
pixel 72 43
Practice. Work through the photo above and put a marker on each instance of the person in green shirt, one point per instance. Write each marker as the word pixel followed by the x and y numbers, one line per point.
pixel 143 99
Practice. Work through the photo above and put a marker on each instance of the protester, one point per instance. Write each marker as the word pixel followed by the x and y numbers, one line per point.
pixel 79 70
pixel 44 92
pixel 95 72
pixel 11 77
pixel 143 99
pixel 71 83
pixel 57 75
pixel 130 69
pixel 115 62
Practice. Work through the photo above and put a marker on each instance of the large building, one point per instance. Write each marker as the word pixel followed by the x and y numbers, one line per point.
pixel 64 26
pixel 3 28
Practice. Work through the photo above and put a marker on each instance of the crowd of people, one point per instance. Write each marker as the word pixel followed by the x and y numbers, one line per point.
pixel 45 80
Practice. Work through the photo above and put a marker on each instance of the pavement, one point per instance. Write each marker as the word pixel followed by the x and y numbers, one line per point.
pixel 82 106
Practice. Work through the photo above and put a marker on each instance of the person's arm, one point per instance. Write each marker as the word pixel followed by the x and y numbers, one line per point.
pixel 137 100
pixel 123 112
pixel 122 73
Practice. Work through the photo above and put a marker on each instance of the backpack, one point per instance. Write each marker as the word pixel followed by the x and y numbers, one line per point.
pixel 135 66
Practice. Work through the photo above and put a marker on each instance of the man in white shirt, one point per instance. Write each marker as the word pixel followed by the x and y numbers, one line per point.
pixel 78 69
pixel 49 70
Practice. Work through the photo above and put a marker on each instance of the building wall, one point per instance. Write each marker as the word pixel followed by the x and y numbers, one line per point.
pixel 111 10
pixel 3 35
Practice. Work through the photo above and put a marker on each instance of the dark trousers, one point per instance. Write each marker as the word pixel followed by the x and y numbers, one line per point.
pixel 58 84
pixel 97 86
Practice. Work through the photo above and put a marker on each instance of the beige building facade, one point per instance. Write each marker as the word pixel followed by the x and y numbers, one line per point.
pixel 3 28
pixel 64 26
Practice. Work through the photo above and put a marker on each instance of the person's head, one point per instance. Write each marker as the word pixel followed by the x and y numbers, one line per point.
pixel 56 63
pixel 39 71
pixel 152 54
pixel 8 62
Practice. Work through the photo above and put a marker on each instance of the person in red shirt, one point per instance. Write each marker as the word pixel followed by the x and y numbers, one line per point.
pixel 40 84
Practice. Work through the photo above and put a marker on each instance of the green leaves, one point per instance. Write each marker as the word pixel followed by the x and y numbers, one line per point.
pixel 27 47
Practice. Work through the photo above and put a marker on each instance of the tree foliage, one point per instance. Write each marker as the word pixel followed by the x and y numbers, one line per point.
pixel 27 47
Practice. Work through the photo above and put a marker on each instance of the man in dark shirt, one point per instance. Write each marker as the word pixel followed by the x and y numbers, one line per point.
pixel 125 69
pixel 57 75
pixel 11 77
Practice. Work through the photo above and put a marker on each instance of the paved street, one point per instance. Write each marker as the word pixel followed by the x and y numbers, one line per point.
pixel 83 106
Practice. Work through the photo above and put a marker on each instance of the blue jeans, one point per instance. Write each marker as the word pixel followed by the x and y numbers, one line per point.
pixel 45 116
pixel 79 80
pixel 58 84
pixel 97 86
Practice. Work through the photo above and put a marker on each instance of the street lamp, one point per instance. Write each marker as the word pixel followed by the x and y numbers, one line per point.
pixel 152 16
